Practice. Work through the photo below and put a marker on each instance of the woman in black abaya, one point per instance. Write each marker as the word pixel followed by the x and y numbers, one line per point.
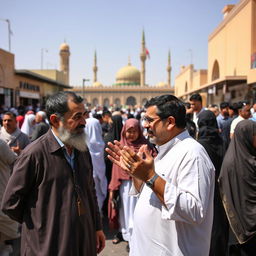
pixel 209 138
pixel 238 187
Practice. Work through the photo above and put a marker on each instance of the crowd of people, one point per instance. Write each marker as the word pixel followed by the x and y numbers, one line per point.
pixel 172 177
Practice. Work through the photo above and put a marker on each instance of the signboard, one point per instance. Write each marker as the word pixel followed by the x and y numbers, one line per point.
pixel 31 95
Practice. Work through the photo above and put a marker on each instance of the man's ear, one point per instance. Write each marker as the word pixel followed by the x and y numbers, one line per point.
pixel 171 122
pixel 55 120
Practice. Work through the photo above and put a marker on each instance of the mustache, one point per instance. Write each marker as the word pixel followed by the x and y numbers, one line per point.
pixel 149 131
pixel 80 126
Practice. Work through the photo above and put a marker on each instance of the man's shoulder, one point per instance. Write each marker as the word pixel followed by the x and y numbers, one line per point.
pixel 219 117
pixel 43 124
pixel 190 143
pixel 23 135
pixel 37 145
pixel 191 148
pixel 236 120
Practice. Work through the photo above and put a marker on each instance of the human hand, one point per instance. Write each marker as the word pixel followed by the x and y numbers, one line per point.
pixel 100 240
pixel 140 165
pixel 16 149
pixel 113 151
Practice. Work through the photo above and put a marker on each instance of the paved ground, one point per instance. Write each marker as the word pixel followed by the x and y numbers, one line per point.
pixel 112 249
pixel 109 250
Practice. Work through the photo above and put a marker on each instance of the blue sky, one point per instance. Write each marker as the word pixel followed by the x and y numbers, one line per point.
pixel 113 28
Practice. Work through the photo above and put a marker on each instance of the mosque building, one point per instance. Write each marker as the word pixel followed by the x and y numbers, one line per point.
pixel 130 87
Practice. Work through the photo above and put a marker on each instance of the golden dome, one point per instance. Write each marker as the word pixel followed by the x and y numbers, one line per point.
pixel 97 84
pixel 161 84
pixel 128 75
pixel 64 47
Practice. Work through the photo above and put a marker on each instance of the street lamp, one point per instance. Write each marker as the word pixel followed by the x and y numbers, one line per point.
pixel 9 32
pixel 42 57
pixel 84 80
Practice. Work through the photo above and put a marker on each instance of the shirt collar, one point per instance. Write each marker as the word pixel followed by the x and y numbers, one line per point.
pixel 163 149
pixel 197 113
pixel 58 140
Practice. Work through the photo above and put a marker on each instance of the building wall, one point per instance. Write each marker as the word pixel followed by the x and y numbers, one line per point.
pixel 231 51
pixel 189 80
pixel 121 94
pixel 27 88
pixel 183 82
pixel 230 43
pixel 16 89
pixel 7 85
pixel 52 74
pixel 199 79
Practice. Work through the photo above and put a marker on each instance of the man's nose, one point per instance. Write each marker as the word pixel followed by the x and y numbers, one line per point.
pixel 145 124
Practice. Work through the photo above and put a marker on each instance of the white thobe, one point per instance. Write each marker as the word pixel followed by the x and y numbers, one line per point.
pixel 96 147
pixel 126 210
pixel 184 226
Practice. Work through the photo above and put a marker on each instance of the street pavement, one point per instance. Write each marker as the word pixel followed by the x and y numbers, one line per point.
pixel 112 249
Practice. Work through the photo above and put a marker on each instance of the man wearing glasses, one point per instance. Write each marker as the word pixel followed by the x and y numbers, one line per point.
pixel 174 212
pixel 51 191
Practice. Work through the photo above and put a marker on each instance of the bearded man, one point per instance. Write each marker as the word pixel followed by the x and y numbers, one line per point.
pixel 51 191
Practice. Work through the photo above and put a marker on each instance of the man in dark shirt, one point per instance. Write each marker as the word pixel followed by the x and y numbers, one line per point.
pixel 41 126
pixel 224 122
pixel 51 191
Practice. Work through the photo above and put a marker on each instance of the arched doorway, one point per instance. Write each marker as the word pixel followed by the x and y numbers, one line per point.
pixel 117 103
pixel 131 101
pixel 143 102
pixel 106 102
pixel 95 102
pixel 215 71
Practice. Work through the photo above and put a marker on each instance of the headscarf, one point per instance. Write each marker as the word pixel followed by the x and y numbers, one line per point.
pixel 210 139
pixel 114 131
pixel 238 182
pixel 28 126
pixel 118 174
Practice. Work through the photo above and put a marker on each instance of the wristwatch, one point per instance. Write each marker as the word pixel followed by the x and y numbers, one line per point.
pixel 150 182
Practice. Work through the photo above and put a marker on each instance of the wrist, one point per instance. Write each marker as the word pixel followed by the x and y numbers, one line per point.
pixel 150 182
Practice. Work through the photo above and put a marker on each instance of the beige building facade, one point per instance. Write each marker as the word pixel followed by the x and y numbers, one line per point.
pixel 231 73
pixel 118 96
pixel 24 87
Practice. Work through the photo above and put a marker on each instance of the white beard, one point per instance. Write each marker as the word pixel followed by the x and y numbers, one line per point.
pixel 76 140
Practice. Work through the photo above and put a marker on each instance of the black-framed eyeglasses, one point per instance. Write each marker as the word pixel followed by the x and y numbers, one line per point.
pixel 149 120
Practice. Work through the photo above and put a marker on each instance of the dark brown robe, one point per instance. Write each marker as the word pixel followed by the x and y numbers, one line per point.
pixel 41 195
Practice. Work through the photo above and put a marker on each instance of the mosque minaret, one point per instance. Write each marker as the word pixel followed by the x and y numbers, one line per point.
pixel 169 69
pixel 143 57
pixel 95 68
pixel 64 61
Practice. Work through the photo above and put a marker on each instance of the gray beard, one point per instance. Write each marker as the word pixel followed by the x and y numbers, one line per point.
pixel 75 140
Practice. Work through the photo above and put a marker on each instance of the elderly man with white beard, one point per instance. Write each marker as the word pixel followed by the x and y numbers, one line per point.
pixel 51 191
